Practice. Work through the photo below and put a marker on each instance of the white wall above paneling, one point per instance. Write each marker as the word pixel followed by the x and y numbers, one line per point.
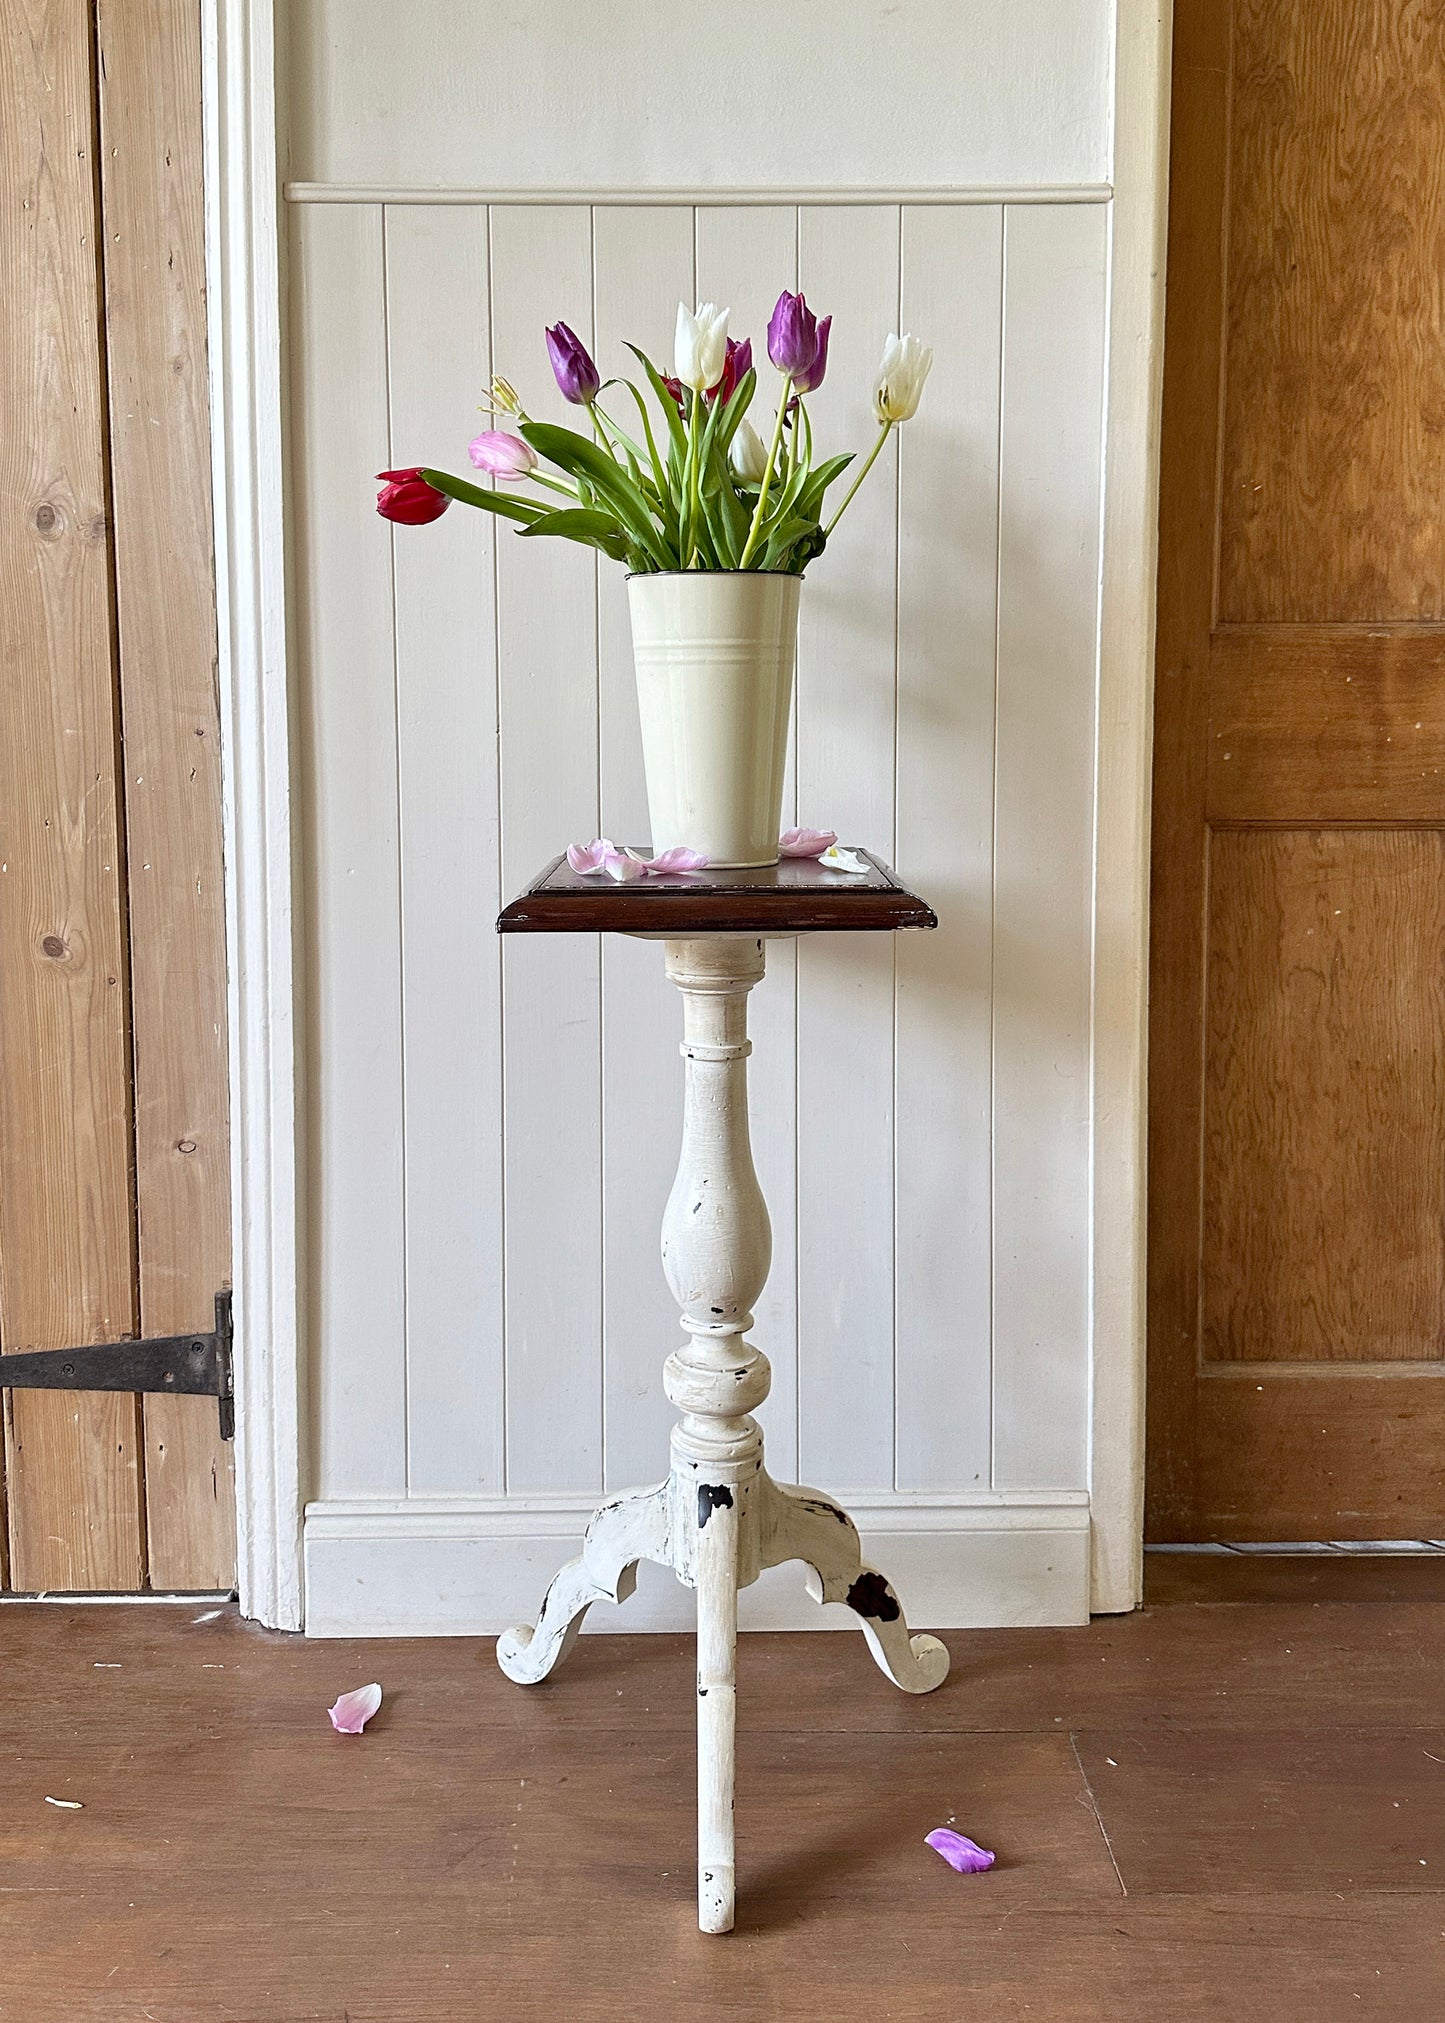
pixel 502 95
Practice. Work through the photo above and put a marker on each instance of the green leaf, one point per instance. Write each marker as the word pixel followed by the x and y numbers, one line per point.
pixel 468 494
pixel 659 473
pixel 594 530
pixel 601 471
pixel 664 399
pixel 810 498
pixel 737 407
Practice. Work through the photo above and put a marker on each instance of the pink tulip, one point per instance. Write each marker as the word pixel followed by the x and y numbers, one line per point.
pixel 502 455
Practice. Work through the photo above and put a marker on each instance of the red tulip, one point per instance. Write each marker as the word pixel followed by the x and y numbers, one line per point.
pixel 407 498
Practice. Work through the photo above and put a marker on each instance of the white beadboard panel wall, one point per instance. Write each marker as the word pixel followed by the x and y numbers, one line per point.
pixel 494 1130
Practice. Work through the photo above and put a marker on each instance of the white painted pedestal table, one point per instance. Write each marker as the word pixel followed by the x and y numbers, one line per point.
pixel 719 1519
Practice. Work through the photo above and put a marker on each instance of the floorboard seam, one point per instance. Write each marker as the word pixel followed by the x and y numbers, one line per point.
pixel 1098 1816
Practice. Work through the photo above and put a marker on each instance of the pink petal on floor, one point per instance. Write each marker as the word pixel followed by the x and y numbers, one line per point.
pixel 677 859
pixel 958 1850
pixel 806 842
pixel 353 1710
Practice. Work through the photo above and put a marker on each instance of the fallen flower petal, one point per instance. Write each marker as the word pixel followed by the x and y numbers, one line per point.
pixel 603 858
pixel 959 1851
pixel 848 861
pixel 677 859
pixel 587 858
pixel 806 842
pixel 66 1804
pixel 353 1710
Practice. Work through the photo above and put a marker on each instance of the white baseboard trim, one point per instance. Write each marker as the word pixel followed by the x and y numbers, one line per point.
pixel 470 1566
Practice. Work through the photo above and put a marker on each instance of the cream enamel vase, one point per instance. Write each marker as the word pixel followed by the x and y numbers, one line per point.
pixel 714 651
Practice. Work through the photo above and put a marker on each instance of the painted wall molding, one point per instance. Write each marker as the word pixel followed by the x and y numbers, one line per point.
pixel 650 193
pixel 242 272
pixel 471 1566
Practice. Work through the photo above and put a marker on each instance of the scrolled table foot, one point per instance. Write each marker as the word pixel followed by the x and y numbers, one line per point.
pixel 802 1524
pixel 628 1529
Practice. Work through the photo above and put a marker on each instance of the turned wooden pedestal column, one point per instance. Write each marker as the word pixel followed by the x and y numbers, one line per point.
pixel 719 1519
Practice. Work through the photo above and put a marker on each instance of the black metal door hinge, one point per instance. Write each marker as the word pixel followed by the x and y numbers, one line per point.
pixel 184 1365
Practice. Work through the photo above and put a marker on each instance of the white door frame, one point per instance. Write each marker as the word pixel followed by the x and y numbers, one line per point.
pixel 244 285
pixel 244 271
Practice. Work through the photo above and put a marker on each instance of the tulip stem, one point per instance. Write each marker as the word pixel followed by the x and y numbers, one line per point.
pixel 763 489
pixel 691 475
pixel 872 458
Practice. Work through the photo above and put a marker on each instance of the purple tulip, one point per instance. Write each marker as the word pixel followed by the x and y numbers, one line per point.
pixel 572 366
pixel 810 380
pixel 792 335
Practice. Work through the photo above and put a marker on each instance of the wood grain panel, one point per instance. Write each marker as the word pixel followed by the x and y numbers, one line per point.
pixel 353 924
pixel 438 367
pixel 66 1228
pixel 1326 724
pixel 1332 494
pixel 155 305
pixel 1324 1229
pixel 1187 518
pixel 947 620
pixel 1279 1445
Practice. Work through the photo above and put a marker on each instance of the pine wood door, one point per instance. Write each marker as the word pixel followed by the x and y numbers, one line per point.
pixel 113 1140
pixel 1297 1050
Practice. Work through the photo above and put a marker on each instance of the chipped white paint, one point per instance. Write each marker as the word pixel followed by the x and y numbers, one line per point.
pixel 719 1519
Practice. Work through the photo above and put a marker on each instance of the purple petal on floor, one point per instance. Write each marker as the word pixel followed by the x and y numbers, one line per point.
pixel 353 1710
pixel 958 1850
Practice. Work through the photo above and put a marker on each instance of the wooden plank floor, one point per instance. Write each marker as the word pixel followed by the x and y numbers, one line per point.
pixel 1211 1809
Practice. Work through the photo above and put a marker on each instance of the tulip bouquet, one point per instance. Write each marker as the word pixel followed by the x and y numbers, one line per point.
pixel 703 491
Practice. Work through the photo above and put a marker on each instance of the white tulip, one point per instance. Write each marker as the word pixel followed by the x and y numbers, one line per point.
pixel 701 349
pixel 748 457
pixel 900 378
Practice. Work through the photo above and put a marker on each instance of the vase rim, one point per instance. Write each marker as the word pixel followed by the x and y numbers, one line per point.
pixel 651 575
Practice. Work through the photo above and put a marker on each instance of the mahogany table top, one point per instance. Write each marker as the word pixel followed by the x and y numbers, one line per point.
pixel 796 896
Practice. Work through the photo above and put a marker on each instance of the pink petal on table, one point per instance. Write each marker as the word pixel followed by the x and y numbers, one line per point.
pixel 677 859
pixel 587 859
pixel 806 842
pixel 353 1710
pixel 958 1850
pixel 624 865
